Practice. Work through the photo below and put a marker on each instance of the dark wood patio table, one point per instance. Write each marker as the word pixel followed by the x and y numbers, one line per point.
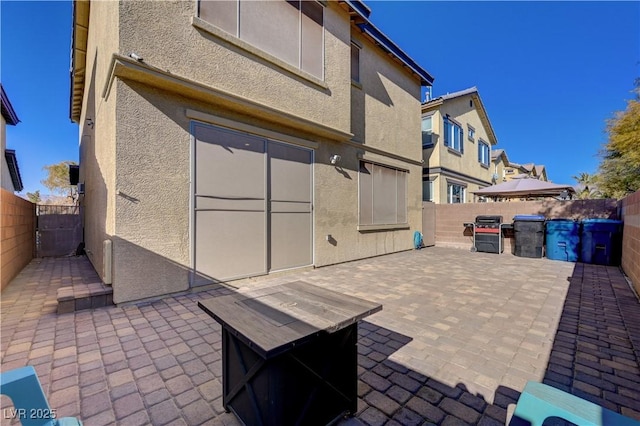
pixel 289 353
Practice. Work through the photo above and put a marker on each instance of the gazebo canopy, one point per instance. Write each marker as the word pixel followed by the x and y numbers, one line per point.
pixel 525 188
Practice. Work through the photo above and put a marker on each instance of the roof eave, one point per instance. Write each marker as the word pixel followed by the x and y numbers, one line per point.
pixel 78 57
pixel 361 20
pixel 485 118
pixel 14 170
pixel 8 112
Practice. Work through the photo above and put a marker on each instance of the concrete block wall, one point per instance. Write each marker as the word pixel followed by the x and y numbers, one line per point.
pixel 630 207
pixel 450 231
pixel 18 218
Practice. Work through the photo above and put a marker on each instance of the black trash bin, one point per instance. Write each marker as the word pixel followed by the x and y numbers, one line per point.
pixel 601 241
pixel 529 235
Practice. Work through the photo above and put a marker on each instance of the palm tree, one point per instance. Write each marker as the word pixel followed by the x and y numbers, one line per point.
pixel 587 185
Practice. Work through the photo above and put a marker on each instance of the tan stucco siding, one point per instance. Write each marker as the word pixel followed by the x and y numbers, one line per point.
pixel 97 144
pixel 163 34
pixel 467 163
pixel 391 104
pixel 152 191
pixel 465 114
pixel 336 209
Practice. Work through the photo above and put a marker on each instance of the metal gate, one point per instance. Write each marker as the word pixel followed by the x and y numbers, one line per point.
pixel 59 230
pixel 428 223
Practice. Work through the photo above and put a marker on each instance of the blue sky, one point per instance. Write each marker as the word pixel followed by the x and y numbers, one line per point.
pixel 549 73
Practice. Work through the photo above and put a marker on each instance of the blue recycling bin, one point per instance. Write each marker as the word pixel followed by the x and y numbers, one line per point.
pixel 601 241
pixel 528 235
pixel 563 239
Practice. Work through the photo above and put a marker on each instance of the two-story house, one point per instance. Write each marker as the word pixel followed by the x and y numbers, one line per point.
pixel 523 171
pixel 10 178
pixel 500 165
pixel 457 137
pixel 228 139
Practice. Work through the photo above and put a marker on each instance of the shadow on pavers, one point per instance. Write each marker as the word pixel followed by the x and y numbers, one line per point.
pixel 390 393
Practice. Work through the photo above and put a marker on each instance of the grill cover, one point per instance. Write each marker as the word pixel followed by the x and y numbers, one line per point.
pixel 488 220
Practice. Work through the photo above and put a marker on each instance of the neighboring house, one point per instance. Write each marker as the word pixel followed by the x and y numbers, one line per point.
pixel 500 163
pixel 216 144
pixel 522 171
pixel 540 172
pixel 457 137
pixel 504 170
pixel 10 173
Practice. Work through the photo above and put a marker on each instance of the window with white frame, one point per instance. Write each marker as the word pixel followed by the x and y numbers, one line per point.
pixel 484 153
pixel 382 195
pixel 456 193
pixel 291 30
pixel 471 133
pixel 427 129
pixel 427 189
pixel 453 136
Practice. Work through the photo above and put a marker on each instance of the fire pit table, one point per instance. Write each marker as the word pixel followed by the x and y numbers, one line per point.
pixel 289 353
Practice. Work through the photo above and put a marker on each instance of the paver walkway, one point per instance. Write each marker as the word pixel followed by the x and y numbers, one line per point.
pixel 459 335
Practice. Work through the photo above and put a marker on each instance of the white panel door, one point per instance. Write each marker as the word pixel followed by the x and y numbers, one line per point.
pixel 253 205
pixel 230 204
pixel 290 202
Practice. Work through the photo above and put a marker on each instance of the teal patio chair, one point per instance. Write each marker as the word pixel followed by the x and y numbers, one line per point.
pixel 31 406
pixel 539 402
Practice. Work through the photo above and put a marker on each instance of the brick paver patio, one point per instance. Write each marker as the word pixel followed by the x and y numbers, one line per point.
pixel 459 335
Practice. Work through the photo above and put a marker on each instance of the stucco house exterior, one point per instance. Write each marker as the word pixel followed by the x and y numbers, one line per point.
pixel 224 140
pixel 10 178
pixel 457 137
pixel 500 164
pixel 521 171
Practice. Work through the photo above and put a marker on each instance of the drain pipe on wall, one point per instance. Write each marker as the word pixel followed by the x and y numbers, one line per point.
pixel 107 255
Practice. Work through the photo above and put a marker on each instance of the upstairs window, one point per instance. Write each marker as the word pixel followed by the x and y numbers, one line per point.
pixel 355 62
pixel 292 30
pixel 483 153
pixel 471 133
pixel 427 140
pixel 453 137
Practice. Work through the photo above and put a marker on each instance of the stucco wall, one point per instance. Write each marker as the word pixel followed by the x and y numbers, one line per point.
pixel 450 231
pixel 138 156
pixel 18 235
pixel 97 142
pixel 630 207
pixel 466 163
pixel 152 190
pixel 388 109
pixel 152 240
pixel 162 33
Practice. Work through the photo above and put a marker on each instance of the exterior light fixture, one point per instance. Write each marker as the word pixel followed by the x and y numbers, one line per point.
pixel 335 159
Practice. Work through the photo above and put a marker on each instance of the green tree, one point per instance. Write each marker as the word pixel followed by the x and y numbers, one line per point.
pixel 620 165
pixel 587 186
pixel 34 197
pixel 57 180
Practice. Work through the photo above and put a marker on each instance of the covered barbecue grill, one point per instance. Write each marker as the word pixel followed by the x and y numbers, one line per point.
pixel 487 234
